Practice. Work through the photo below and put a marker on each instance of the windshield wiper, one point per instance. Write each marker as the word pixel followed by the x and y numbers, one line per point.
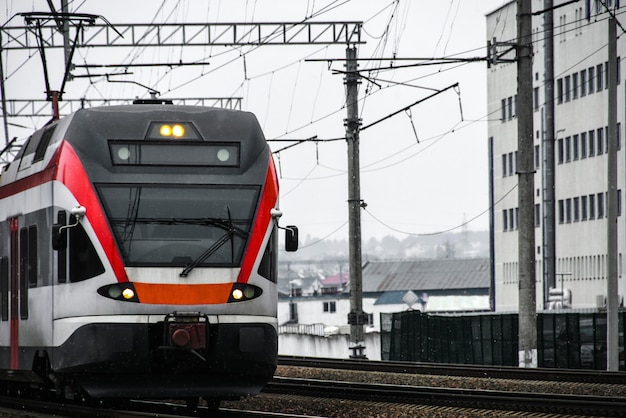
pixel 217 222
pixel 231 230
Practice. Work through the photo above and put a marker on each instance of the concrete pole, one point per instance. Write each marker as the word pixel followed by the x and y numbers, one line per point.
pixel 356 317
pixel 612 302
pixel 526 186
pixel 548 169
pixel 3 98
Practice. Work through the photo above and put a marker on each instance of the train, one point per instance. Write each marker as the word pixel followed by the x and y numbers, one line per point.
pixel 138 255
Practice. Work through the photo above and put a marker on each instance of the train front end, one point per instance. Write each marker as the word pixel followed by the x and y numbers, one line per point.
pixel 165 236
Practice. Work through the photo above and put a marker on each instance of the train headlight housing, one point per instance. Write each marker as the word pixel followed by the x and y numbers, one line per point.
pixel 243 291
pixel 172 130
pixel 119 291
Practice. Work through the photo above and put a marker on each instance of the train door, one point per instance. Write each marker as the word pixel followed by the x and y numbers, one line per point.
pixel 14 314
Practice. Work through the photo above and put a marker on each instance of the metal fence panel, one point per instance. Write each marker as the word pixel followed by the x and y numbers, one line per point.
pixel 564 339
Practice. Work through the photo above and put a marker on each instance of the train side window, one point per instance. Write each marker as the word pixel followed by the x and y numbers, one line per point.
pixel 42 146
pixel 4 288
pixel 267 267
pixel 28 266
pixel 62 252
pixel 84 261
pixel 33 266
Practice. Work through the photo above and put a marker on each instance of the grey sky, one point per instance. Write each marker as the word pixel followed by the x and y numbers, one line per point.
pixel 424 187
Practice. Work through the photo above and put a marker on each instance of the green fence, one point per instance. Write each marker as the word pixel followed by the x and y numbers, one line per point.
pixel 568 340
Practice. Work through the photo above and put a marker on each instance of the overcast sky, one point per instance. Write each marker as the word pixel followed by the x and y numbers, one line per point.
pixel 422 171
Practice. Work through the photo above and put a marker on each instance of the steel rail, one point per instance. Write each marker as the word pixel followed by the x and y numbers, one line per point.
pixel 460 370
pixel 471 398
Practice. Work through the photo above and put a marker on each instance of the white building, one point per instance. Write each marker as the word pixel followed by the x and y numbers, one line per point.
pixel 455 285
pixel 581 132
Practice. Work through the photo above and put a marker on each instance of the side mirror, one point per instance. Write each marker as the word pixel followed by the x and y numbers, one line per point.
pixel 291 238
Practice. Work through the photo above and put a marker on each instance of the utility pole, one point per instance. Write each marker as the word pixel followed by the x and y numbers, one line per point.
pixel 548 169
pixel 356 318
pixel 526 202
pixel 612 303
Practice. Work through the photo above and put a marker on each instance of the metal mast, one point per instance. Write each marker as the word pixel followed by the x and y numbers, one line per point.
pixel 356 318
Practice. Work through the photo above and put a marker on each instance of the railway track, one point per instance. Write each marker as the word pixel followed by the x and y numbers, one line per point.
pixel 453 397
pixel 337 387
pixel 460 370
pixel 581 392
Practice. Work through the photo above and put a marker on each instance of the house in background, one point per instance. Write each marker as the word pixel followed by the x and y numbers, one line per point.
pixel 448 285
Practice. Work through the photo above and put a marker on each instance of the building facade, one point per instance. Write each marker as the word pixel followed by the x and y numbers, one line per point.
pixel 580 152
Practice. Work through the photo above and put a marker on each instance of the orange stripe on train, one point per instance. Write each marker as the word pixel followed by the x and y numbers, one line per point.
pixel 183 294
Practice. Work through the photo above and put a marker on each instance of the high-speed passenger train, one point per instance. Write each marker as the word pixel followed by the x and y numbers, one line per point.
pixel 138 255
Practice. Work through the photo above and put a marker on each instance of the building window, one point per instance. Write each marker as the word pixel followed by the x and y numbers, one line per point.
pixel 583 145
pixel 330 307
pixel 592 143
pixel 503 115
pixel 561 211
pixel 591 81
pixel 505 221
pixel 576 209
pixel 599 77
pixel 560 151
pixel 600 137
pixel 511 164
pixel 592 206
pixel 504 172
pixel 536 97
pixel 568 149
pixel 583 83
pixel 537 215
pixel 575 86
pixel 537 156
pixel 600 205
pixel 567 87
pixel 583 208
pixel 559 90
pixel 510 106
pixel 568 210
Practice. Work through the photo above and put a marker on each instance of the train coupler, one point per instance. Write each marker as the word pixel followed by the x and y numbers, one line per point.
pixel 186 331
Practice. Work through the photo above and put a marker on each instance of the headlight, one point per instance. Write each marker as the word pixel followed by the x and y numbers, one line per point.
pixel 119 291
pixel 244 291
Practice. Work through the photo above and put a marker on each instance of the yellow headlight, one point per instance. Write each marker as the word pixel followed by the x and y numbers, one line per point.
pixel 237 294
pixel 166 130
pixel 128 293
pixel 178 131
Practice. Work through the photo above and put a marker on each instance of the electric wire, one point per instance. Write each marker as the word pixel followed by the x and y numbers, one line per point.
pixel 324 238
pixel 492 207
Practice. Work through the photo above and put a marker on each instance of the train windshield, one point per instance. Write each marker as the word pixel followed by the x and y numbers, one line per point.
pixel 180 226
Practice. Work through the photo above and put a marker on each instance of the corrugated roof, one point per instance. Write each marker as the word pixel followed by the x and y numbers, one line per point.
pixel 470 273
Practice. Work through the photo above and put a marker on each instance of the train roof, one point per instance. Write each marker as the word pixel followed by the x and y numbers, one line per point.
pixel 91 131
pixel 131 122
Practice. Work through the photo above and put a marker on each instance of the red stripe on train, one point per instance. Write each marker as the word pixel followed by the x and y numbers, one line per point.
pixel 72 174
pixel 261 222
